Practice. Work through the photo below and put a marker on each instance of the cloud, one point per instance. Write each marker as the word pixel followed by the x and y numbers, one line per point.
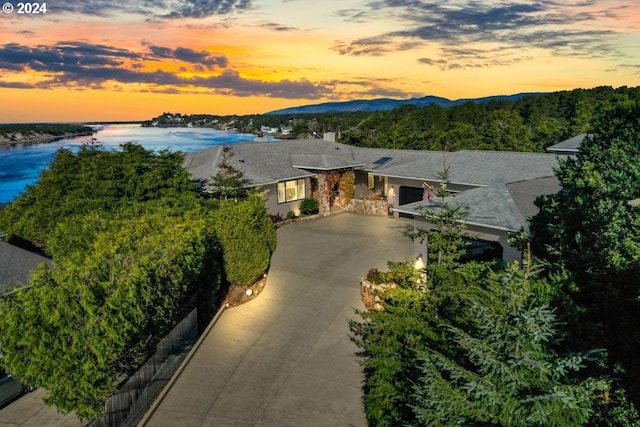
pixel 81 66
pixel 155 9
pixel 188 55
pixel 277 27
pixel 374 46
pixel 544 24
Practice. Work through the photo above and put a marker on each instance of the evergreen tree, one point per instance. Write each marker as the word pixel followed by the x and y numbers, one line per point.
pixel 97 315
pixel 592 228
pixel 501 369
pixel 467 344
pixel 228 181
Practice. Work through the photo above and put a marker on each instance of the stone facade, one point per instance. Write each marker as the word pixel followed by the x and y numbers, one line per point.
pixel 370 293
pixel 324 203
pixel 368 207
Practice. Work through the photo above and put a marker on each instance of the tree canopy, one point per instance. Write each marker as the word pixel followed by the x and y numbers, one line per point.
pixel 98 180
pixel 135 246
pixel 591 228
pixel 98 313
pixel 531 123
pixel 468 344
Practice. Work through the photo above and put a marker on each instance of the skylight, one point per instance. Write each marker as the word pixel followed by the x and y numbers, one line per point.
pixel 382 160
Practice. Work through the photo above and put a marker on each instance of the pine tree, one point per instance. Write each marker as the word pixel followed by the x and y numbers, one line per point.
pixel 591 228
pixel 501 370
pixel 229 181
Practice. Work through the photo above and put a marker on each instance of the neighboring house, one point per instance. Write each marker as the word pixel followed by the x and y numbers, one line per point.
pixel 16 266
pixel 495 189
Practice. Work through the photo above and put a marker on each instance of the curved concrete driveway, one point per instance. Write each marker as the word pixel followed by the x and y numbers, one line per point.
pixel 285 358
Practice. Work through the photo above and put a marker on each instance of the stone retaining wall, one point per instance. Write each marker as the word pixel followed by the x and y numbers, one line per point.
pixel 368 207
pixel 370 293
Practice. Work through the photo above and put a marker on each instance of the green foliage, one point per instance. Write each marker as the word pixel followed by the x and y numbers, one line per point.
pixel 50 128
pixel 446 241
pixel 108 300
pixel 291 215
pixel 591 227
pixel 40 130
pixel 92 180
pixel 531 123
pixel 134 247
pixel 478 349
pixel 500 369
pixel 228 181
pixel 309 206
pixel 402 273
pixel 247 235
pixel 467 344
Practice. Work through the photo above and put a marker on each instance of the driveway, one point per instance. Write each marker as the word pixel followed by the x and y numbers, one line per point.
pixel 30 411
pixel 285 358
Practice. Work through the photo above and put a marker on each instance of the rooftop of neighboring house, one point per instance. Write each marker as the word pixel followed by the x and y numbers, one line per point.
pixel 16 265
pixel 568 146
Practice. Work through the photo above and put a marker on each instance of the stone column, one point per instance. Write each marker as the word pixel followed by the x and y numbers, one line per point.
pixel 324 203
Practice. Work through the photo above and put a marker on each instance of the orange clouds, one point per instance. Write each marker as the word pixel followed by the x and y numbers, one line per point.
pixel 87 60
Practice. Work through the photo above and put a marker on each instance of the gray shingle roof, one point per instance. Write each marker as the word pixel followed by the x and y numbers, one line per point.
pixel 16 265
pixel 269 162
pixel 568 146
pixel 491 204
pixel 491 207
pixel 471 167
pixel 524 193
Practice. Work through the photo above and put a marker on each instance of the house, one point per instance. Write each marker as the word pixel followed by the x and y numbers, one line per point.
pixel 496 190
pixel 288 170
pixel 16 265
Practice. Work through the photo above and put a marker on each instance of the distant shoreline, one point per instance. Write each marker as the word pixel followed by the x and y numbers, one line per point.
pixel 38 138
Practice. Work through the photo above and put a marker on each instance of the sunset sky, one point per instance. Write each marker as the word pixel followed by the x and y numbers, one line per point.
pixel 100 60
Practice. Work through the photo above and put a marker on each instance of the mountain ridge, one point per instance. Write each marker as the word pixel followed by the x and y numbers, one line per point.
pixel 385 104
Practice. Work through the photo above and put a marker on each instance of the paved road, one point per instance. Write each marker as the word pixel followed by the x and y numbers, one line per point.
pixel 30 411
pixel 285 359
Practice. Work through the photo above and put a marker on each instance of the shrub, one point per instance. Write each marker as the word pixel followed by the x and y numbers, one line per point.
pixel 376 276
pixel 248 238
pixel 276 217
pixel 291 215
pixel 309 206
pixel 348 186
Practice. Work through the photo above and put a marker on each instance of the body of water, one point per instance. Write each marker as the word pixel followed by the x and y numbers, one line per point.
pixel 22 165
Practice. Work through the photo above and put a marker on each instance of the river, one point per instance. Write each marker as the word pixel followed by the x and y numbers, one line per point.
pixel 22 165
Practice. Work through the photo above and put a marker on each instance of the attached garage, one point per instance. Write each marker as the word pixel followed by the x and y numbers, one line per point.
pixel 408 195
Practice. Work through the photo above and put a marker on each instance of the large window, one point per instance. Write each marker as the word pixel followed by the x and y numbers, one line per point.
pixel 289 191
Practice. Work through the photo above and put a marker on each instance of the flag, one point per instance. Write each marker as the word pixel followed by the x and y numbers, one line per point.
pixel 426 194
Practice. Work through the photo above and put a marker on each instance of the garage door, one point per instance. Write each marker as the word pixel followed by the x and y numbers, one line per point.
pixel 409 195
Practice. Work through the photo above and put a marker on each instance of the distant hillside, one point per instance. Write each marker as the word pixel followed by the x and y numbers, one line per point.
pixel 36 133
pixel 385 104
